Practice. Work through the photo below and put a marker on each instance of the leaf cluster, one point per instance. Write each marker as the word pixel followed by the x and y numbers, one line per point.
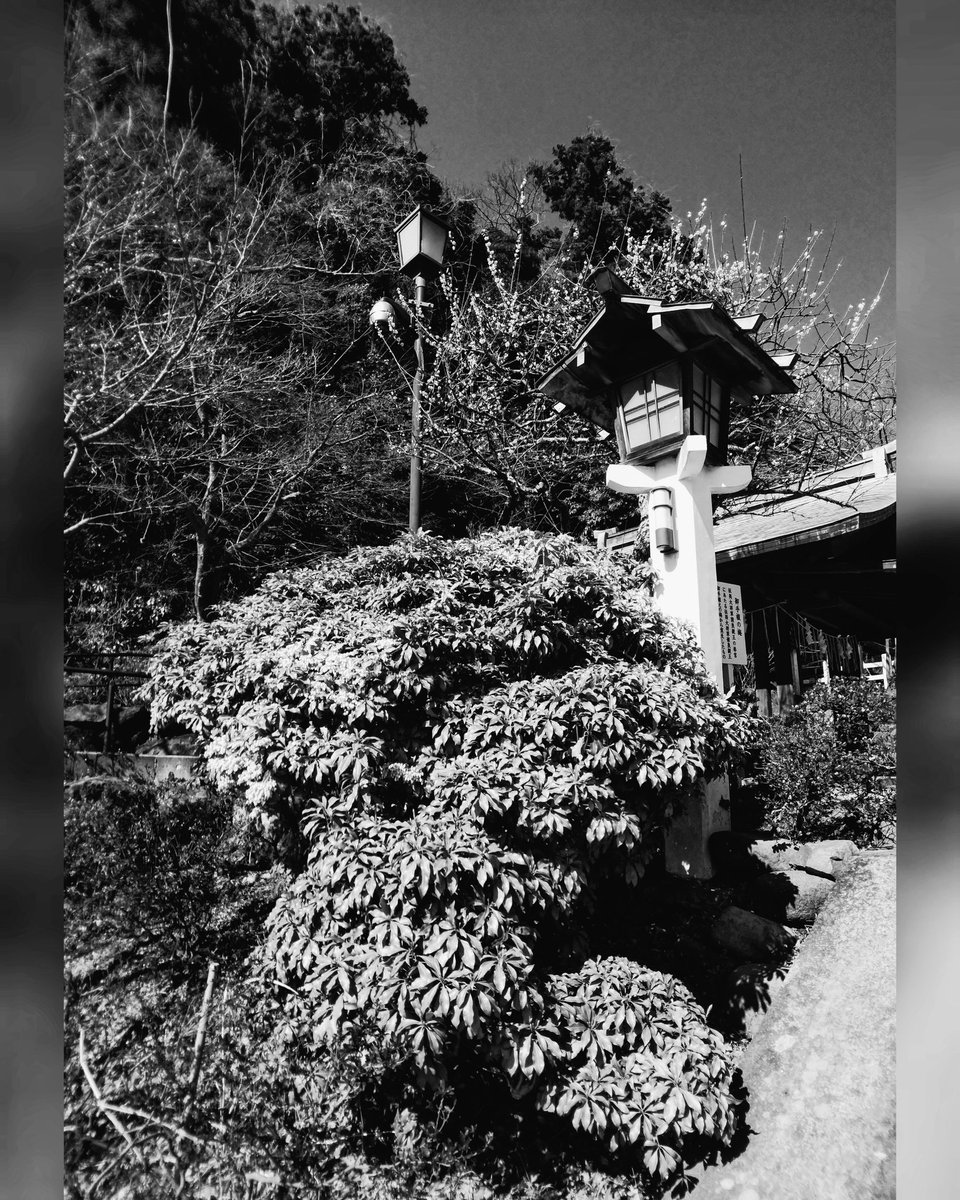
pixel 643 1068
pixel 827 768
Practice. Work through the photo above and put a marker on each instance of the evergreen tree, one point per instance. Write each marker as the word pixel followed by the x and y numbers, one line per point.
pixel 586 185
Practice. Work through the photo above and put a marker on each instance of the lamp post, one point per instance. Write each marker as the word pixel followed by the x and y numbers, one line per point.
pixel 421 242
pixel 662 377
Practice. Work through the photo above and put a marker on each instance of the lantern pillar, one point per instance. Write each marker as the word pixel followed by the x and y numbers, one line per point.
pixel 687 590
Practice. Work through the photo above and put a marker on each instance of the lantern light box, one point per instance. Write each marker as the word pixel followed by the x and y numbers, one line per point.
pixel 421 243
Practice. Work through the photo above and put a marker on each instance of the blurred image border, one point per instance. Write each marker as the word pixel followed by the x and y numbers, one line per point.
pixel 928 680
pixel 31 371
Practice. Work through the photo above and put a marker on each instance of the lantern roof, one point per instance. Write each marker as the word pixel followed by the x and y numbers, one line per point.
pixel 633 333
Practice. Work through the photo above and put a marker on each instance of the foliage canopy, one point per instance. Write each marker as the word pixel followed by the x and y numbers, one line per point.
pixel 221 414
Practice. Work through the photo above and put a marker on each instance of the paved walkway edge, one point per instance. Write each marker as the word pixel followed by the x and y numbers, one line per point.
pixel 820 1073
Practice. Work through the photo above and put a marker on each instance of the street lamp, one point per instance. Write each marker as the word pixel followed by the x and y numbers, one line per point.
pixel 421 241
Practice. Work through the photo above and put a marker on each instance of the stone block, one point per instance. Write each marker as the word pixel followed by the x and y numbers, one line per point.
pixel 791 896
pixel 85 725
pixel 827 857
pixel 750 937
pixel 745 854
pixel 699 813
pixel 166 766
pixel 820 1073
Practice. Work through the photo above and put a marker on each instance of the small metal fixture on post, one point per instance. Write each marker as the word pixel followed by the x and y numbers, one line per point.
pixel 421 243
pixel 663 533
pixel 662 377
pixel 382 313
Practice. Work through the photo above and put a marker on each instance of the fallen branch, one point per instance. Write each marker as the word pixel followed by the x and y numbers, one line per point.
pixel 104 1107
pixel 174 1129
pixel 201 1037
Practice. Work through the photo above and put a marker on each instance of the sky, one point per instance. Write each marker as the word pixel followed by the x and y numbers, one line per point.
pixel 803 90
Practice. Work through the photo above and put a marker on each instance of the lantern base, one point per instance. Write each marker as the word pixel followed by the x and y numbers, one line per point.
pixel 704 810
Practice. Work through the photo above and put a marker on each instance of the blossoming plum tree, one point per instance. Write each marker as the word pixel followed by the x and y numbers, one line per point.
pixel 485 421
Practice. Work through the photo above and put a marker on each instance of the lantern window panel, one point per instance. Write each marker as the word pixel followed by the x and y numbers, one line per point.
pixel 434 240
pixel 651 406
pixel 408 237
pixel 706 405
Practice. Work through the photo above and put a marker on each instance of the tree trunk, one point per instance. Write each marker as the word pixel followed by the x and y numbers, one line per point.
pixel 203 540
pixel 199 573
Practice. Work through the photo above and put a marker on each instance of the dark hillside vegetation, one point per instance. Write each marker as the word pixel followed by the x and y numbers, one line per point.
pixel 233 179
pixel 224 413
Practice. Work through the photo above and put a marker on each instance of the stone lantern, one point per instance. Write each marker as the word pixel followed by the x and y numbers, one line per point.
pixel 662 378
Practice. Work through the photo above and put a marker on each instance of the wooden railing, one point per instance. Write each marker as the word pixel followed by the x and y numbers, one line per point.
pixel 103 666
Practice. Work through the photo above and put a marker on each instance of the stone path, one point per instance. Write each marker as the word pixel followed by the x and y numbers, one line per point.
pixel 820 1072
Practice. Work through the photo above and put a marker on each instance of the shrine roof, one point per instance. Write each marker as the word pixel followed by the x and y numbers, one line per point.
pixel 805 517
pixel 827 505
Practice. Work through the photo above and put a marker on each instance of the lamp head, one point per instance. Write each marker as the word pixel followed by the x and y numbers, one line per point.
pixel 421 242
pixel 382 314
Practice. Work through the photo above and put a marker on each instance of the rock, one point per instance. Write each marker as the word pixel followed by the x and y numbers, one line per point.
pixel 827 857
pixel 747 994
pixel 86 725
pixel 747 854
pixel 820 863
pixel 174 743
pixel 131 726
pixel 751 937
pixel 85 714
pixel 777 854
pixel 792 896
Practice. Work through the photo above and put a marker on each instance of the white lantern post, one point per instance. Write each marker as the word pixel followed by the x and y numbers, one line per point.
pixel 662 377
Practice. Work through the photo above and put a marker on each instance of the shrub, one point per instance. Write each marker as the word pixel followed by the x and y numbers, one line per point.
pixel 642 1067
pixel 263 1112
pixel 825 768
pixel 140 858
pixel 456 742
